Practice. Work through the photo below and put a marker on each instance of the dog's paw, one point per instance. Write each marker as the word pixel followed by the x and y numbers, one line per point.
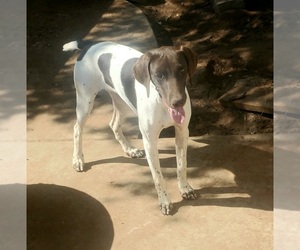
pixel 78 164
pixel 166 208
pixel 188 193
pixel 134 153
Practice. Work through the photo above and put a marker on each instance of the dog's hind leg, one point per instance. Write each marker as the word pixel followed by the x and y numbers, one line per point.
pixel 83 109
pixel 119 114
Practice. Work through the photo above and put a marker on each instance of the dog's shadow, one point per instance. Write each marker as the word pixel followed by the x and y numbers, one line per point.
pixel 234 197
pixel 169 162
pixel 230 173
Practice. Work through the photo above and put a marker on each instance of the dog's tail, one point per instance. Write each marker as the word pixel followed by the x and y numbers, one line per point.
pixel 81 45
pixel 71 46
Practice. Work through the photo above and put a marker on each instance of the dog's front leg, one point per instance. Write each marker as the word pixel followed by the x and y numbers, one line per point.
pixel 181 141
pixel 150 145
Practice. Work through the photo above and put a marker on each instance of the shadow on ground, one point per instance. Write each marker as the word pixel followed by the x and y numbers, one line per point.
pixel 229 173
pixel 51 24
pixel 64 218
pixel 230 46
pixel 13 216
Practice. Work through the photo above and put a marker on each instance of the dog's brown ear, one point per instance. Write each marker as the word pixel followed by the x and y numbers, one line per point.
pixel 191 59
pixel 141 71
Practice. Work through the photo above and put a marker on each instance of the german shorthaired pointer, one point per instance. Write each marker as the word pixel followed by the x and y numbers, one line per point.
pixel 153 85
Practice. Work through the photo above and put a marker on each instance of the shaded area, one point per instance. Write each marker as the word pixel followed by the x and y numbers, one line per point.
pixel 252 169
pixel 234 45
pixel 51 25
pixel 287 179
pixel 286 106
pixel 287 70
pixel 64 218
pixel 231 172
pixel 286 168
pixel 287 125
pixel 12 64
pixel 13 216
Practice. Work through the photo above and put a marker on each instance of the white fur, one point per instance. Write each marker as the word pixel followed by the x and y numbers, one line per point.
pixel 152 113
pixel 70 46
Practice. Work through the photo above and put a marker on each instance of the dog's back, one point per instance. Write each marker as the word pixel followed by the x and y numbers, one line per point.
pixel 108 66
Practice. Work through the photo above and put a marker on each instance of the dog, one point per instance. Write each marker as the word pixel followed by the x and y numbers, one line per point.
pixel 153 85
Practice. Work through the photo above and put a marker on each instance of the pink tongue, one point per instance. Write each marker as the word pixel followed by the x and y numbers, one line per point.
pixel 177 114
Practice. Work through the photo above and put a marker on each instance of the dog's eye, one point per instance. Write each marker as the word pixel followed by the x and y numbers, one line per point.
pixel 159 76
pixel 181 70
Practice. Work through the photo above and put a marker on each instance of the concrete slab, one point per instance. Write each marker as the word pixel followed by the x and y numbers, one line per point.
pixel 231 174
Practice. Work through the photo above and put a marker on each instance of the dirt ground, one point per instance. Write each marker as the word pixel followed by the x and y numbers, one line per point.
pixel 237 44
pixel 233 45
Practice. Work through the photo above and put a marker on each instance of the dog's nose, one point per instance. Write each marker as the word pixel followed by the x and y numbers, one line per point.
pixel 178 103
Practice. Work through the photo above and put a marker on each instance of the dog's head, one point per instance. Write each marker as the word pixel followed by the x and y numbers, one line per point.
pixel 168 68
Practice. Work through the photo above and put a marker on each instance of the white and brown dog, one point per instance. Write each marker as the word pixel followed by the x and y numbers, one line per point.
pixel 153 85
